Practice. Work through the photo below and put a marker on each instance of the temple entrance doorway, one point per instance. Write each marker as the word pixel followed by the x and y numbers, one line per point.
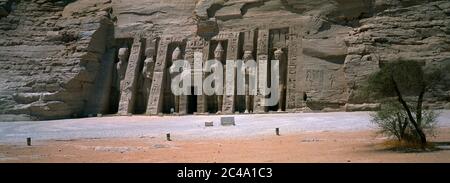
pixel 192 102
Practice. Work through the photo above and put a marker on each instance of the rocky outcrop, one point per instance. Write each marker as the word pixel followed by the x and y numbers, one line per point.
pixel 50 56
pixel 57 57
pixel 414 31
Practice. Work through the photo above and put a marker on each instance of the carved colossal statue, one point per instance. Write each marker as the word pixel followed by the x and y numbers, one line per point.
pixel 176 55
pixel 218 55
pixel 278 54
pixel 247 56
pixel 148 62
pixel 122 64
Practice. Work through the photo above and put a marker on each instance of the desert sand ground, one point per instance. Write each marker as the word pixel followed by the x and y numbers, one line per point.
pixel 335 137
pixel 362 146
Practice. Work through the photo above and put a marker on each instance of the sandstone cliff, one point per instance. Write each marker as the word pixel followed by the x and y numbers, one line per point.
pixel 54 54
pixel 50 57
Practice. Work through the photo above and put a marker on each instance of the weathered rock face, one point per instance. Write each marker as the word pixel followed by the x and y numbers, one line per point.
pixel 59 59
pixel 50 57
pixel 412 32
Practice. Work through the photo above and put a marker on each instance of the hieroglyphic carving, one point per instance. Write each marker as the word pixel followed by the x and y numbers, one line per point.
pixel 127 98
pixel 193 45
pixel 196 43
pixel 154 105
pixel 332 80
pixel 314 76
pixel 230 85
pixel 263 42
pixel 293 91
pixel 233 46
pixel 223 36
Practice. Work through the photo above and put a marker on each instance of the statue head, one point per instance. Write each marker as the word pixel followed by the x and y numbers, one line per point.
pixel 123 54
pixel 148 56
pixel 176 55
pixel 218 52
pixel 148 60
pixel 149 52
pixel 278 54
pixel 248 55
pixel 146 70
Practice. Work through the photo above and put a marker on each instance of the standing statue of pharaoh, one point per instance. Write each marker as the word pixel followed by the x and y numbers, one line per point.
pixel 176 55
pixel 148 64
pixel 147 73
pixel 122 66
pixel 282 87
pixel 247 73
pixel 218 55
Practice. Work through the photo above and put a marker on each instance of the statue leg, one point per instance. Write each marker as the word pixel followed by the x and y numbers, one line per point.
pixel 219 104
pixel 247 103
pixel 280 101
pixel 251 103
pixel 177 104
pixel 247 100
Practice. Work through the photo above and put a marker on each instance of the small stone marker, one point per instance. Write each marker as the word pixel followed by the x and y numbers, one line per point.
pixel 29 141
pixel 227 121
pixel 168 137
pixel 277 131
pixel 209 124
pixel 130 114
pixel 99 115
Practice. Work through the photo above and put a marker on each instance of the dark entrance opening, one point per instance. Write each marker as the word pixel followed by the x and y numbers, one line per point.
pixel 192 102
pixel 240 103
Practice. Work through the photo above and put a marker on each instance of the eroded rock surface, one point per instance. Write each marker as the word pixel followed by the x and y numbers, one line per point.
pixel 50 57
pixel 58 58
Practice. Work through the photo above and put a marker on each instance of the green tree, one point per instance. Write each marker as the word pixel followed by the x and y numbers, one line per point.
pixel 392 120
pixel 406 80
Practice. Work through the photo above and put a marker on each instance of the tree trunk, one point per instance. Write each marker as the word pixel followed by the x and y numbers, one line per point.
pixel 419 107
pixel 423 138
pixel 419 130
